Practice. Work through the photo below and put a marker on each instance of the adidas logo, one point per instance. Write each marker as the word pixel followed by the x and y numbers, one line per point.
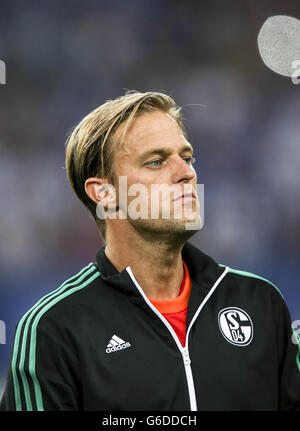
pixel 116 343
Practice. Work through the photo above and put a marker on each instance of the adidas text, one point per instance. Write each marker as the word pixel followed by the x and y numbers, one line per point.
pixel 119 347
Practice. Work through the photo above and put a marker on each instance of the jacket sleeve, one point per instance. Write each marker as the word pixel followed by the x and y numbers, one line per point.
pixel 43 370
pixel 289 362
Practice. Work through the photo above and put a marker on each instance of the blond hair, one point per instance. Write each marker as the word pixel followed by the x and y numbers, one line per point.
pixel 89 149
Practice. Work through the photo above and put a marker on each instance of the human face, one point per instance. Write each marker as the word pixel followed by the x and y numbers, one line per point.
pixel 155 152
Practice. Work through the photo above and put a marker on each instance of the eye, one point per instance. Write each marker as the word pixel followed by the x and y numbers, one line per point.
pixel 189 160
pixel 155 163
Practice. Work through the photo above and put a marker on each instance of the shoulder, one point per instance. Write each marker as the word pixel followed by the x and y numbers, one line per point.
pixel 56 306
pixel 248 279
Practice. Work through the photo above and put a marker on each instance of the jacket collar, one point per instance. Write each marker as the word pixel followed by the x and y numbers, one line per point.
pixel 105 266
pixel 204 271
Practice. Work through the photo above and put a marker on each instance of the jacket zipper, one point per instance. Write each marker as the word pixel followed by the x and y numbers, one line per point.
pixel 183 350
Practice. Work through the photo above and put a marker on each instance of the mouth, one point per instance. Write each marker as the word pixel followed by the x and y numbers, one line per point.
pixel 186 196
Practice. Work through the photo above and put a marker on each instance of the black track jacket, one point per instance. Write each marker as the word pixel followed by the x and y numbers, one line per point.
pixel 97 343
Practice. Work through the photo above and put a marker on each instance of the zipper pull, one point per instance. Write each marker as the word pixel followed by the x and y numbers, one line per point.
pixel 186 357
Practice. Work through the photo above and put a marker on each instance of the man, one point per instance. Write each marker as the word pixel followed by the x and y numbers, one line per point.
pixel 154 324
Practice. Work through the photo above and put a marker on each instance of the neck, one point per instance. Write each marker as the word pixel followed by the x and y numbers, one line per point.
pixel 156 263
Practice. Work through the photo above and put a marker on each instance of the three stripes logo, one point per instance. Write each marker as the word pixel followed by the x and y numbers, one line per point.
pixel 116 343
pixel 27 390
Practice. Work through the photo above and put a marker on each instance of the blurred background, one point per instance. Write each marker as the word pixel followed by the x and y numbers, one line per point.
pixel 64 58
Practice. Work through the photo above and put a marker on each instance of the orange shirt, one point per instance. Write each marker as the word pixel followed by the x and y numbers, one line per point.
pixel 175 310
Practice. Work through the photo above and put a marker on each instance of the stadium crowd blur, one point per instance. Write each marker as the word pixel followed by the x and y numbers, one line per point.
pixel 63 59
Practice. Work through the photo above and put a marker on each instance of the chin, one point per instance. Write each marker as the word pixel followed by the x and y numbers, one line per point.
pixel 164 229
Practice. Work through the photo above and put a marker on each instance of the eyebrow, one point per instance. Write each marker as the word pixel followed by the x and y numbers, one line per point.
pixel 165 152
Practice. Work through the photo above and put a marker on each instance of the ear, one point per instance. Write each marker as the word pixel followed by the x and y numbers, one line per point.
pixel 101 192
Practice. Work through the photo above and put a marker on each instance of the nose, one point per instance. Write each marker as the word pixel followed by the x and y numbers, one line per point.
pixel 182 172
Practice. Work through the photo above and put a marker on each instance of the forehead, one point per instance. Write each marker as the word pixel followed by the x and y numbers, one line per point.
pixel 148 131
